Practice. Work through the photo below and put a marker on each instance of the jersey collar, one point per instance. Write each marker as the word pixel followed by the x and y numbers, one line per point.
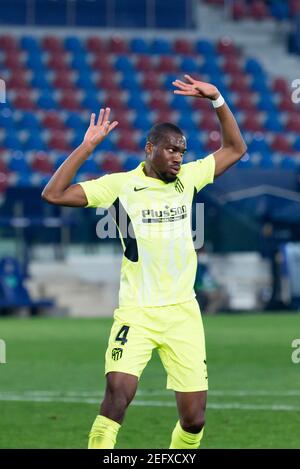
pixel 140 172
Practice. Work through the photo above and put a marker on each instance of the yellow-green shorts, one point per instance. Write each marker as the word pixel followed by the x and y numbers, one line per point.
pixel 176 331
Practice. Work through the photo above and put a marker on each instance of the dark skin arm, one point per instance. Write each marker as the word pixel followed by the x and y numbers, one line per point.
pixel 59 190
pixel 233 146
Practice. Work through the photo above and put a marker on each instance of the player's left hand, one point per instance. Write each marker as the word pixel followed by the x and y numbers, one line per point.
pixel 196 88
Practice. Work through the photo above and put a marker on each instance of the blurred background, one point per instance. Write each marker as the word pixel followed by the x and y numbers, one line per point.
pixel 60 60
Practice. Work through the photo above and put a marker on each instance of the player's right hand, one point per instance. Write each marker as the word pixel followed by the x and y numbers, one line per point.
pixel 199 89
pixel 97 132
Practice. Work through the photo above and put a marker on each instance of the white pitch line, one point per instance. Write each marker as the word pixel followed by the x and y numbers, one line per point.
pixel 223 406
pixel 149 393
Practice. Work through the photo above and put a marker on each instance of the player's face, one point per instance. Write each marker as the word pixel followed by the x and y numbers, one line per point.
pixel 166 157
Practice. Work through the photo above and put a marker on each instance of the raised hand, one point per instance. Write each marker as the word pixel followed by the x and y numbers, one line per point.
pixel 196 88
pixel 96 133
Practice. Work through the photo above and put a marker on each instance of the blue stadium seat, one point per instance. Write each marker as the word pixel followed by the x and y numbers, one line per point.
pixel 35 62
pixel 142 121
pixel 194 144
pixel 266 161
pixel 34 142
pixel 40 80
pixel 91 101
pixel 6 120
pixel 189 65
pixel 29 120
pixel 76 122
pixel 76 140
pixel 181 103
pixel 13 290
pixel 46 100
pixel 11 141
pixel 296 144
pixel 210 67
pixel 85 81
pixel 24 179
pixel 260 85
pixel 89 166
pixel 168 81
pixel 161 46
pixel 30 44
pixel 186 121
pixel 131 162
pixel 254 67
pixel 266 103
pixel 124 64
pixel 138 45
pixel 258 145
pixel 288 162
pixel 130 82
pixel 205 48
pixel 10 265
pixel 136 102
pixel 280 10
pixel 108 145
pixel 60 159
pixel 79 62
pixel 273 124
pixel 18 163
pixel 75 45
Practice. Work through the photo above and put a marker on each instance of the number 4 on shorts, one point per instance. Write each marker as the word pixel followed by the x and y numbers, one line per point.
pixel 122 335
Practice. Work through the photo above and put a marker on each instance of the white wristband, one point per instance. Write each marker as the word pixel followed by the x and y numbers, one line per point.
pixel 218 102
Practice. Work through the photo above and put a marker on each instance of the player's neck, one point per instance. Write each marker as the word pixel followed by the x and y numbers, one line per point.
pixel 150 172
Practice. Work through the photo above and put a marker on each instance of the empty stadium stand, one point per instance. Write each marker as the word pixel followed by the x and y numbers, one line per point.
pixel 54 84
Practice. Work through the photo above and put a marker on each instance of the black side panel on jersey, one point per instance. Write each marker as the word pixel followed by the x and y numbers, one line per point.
pixel 192 218
pixel 125 226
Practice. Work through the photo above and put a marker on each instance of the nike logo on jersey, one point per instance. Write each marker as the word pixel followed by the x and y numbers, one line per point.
pixel 136 189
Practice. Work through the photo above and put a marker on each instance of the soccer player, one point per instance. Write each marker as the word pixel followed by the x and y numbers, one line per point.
pixel 157 305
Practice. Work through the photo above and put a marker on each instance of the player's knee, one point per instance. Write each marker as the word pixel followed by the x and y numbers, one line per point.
pixel 120 398
pixel 193 424
pixel 119 392
pixel 115 404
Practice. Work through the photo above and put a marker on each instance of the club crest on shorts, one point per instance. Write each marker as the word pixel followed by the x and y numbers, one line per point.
pixel 116 354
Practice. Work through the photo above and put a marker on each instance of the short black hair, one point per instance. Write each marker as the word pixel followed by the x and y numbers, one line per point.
pixel 159 131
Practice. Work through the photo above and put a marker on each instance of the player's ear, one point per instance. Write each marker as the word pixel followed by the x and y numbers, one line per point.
pixel 148 148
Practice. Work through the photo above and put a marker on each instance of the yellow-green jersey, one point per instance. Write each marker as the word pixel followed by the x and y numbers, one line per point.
pixel 154 219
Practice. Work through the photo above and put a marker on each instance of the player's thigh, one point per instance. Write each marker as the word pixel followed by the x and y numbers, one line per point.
pixel 183 352
pixel 129 347
pixel 120 384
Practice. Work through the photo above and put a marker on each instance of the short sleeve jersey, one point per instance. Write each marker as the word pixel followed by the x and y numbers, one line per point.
pixel 154 220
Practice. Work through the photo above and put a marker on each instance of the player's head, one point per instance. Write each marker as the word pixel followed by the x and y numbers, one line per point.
pixel 165 147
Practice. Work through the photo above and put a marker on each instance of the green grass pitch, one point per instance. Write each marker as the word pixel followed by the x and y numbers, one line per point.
pixel 53 380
